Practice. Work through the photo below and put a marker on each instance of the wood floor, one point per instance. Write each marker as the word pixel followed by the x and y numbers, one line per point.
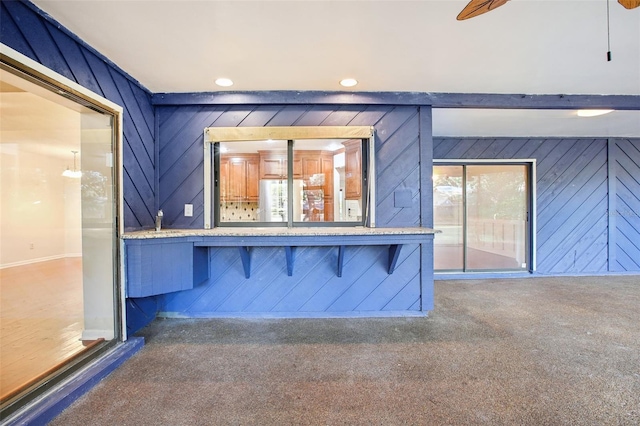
pixel 41 320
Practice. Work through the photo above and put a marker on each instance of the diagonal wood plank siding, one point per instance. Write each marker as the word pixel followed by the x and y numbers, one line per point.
pixel 314 286
pixel 181 159
pixel 34 34
pixel 572 197
pixel 626 254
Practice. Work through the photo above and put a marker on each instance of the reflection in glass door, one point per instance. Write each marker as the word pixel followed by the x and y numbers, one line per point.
pixel 482 211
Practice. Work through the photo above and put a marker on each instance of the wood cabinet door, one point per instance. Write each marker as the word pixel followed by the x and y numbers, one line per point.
pixel 253 179
pixel 237 180
pixel 328 210
pixel 271 168
pixel 327 170
pixel 297 168
pixel 353 171
pixel 223 181
pixel 311 166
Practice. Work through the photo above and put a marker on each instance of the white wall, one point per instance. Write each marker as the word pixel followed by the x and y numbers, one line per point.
pixel 40 216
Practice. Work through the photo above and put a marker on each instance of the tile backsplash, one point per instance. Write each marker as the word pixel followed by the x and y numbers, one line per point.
pixel 233 211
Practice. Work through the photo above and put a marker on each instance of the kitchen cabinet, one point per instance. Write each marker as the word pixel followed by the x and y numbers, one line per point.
pixel 273 165
pixel 327 169
pixel 317 173
pixel 223 181
pixel 253 178
pixel 311 165
pixel 353 169
pixel 239 178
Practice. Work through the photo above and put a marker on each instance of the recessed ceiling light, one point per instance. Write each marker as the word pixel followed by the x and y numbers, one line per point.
pixel 593 112
pixel 224 82
pixel 348 82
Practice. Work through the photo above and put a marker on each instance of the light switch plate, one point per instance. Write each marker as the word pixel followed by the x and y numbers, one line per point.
pixel 188 210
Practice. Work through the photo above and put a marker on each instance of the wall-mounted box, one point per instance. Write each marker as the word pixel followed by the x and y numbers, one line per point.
pixel 158 266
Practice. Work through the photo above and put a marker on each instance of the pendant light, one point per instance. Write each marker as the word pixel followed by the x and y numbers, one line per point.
pixel 74 174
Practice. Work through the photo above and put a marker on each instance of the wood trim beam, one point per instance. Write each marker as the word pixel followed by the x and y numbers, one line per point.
pixel 436 100
pixel 232 134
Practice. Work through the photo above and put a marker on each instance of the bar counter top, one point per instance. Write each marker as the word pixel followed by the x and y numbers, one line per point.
pixel 279 232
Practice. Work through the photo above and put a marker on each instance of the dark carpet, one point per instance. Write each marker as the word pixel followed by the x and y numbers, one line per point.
pixel 538 351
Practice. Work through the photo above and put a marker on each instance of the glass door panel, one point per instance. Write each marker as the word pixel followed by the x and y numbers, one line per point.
pixel 496 217
pixel 448 217
pixel 97 199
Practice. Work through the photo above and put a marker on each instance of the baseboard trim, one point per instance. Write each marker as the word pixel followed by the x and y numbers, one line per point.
pixel 282 315
pixel 39 259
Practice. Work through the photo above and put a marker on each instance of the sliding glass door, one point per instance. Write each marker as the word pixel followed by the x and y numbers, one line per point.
pixel 482 211
pixel 59 301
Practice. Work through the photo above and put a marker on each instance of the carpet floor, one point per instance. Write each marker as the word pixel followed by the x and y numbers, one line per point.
pixel 537 351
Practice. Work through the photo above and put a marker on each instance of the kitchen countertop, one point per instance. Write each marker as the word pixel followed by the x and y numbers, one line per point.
pixel 277 232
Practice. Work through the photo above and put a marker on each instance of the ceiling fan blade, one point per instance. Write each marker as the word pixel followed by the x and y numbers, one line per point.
pixel 478 7
pixel 629 4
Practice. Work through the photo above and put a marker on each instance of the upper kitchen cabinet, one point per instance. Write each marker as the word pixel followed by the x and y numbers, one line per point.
pixel 239 176
pixel 353 169
pixel 273 165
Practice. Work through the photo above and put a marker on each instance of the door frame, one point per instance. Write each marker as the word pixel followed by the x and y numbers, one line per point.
pixel 530 238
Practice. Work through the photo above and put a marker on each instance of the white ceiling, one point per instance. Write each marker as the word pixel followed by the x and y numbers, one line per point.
pixel 525 46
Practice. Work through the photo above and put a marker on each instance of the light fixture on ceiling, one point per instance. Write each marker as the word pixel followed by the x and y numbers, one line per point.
pixel 348 82
pixel 593 112
pixel 224 82
pixel 75 174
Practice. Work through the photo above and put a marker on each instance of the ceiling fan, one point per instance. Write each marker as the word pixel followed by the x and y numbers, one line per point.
pixel 478 7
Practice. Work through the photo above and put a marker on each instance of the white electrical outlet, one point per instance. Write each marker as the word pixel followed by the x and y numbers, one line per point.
pixel 188 210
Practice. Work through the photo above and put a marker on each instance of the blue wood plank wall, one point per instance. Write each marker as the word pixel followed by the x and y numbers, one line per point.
pixel 573 196
pixel 28 30
pixel 625 212
pixel 314 286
